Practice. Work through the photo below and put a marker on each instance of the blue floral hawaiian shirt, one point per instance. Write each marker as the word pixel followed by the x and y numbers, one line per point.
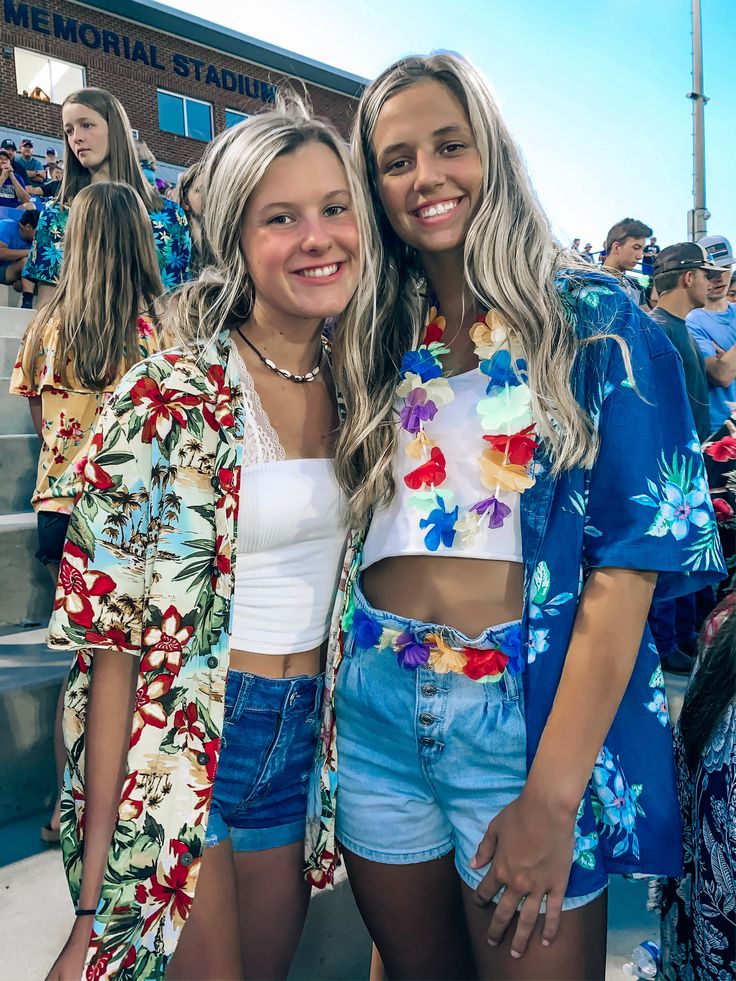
pixel 643 505
pixel 170 236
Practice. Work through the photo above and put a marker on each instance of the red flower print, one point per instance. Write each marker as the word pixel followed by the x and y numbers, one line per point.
pixel 148 710
pixel 160 407
pixel 97 967
pixel 129 959
pixel 723 510
pixel 70 429
pixel 432 473
pixel 203 794
pixel 170 890
pixel 217 407
pixel 519 447
pixel 131 799
pixel 484 664
pixel 189 730
pixel 229 481
pixel 723 449
pixel 76 585
pixel 114 637
pixel 165 643
pixel 93 472
pixel 144 328
pixel 222 562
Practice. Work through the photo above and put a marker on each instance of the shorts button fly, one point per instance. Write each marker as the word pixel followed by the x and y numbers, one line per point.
pixel 429 690
pixel 426 719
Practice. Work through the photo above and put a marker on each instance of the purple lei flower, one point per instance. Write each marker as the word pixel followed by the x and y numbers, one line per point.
pixel 366 630
pixel 441 525
pixel 411 654
pixel 496 511
pixel 421 362
pixel 418 409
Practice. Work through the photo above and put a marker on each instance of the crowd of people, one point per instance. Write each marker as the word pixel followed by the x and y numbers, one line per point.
pixel 371 512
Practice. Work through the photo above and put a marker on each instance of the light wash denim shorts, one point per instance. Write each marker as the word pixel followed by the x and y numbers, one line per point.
pixel 425 760
pixel 259 799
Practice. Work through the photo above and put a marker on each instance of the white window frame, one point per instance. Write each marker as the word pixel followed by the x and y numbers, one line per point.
pixel 185 99
pixel 48 58
pixel 237 112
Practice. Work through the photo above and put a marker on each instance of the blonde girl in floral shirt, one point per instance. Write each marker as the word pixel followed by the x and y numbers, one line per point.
pixel 197 584
pixel 100 322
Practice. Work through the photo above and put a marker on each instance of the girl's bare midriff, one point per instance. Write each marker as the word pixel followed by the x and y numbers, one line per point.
pixel 280 665
pixel 468 594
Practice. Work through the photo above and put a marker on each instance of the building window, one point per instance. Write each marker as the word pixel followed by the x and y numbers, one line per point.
pixel 46 79
pixel 233 117
pixel 184 116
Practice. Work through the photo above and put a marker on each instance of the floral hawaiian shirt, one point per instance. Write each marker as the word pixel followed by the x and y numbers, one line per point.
pixel 643 505
pixel 170 236
pixel 147 571
pixel 69 416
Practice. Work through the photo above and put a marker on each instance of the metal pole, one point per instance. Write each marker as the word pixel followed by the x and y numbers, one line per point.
pixel 698 217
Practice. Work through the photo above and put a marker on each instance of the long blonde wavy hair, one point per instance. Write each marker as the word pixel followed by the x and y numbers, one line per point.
pixel 109 276
pixel 232 168
pixel 510 261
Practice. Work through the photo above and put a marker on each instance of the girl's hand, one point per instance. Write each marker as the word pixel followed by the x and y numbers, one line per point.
pixel 69 965
pixel 530 845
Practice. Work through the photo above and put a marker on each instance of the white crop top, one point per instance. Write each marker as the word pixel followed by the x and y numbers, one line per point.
pixel 395 529
pixel 291 538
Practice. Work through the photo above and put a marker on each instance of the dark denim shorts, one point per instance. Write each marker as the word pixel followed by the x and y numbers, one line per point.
pixel 260 795
pixel 51 526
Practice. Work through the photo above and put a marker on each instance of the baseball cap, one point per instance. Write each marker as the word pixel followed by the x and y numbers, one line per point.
pixel 8 145
pixel 26 142
pixel 719 250
pixel 49 149
pixel 681 257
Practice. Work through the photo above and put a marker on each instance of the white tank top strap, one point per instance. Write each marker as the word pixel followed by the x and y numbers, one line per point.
pixel 262 443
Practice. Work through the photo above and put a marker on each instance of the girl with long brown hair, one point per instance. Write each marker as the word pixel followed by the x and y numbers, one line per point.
pixel 100 321
pixel 99 147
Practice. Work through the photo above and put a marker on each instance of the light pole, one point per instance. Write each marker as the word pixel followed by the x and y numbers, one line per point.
pixel 697 218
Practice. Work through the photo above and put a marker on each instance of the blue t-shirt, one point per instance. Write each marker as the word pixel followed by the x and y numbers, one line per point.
pixel 10 236
pixel 709 328
pixel 8 197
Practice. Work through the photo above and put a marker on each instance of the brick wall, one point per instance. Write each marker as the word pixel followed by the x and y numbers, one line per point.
pixel 135 83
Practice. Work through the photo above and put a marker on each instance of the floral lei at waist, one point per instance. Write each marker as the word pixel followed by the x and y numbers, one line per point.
pixel 418 648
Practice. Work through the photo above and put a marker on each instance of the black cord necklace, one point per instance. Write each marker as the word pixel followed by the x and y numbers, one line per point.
pixel 299 379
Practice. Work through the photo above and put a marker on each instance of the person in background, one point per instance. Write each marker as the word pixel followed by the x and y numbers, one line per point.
pixel 146 159
pixel 649 254
pixel 99 147
pixel 16 238
pixel 188 193
pixel 74 352
pixel 575 245
pixel 731 293
pixel 714 329
pixel 587 253
pixel 624 248
pixel 11 150
pixel 697 908
pixel 13 193
pixel 681 276
pixel 34 169
pixel 52 157
pixel 50 187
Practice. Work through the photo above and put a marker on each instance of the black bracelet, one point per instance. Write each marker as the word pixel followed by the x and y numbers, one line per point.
pixel 85 912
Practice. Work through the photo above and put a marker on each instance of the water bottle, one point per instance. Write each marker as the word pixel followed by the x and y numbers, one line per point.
pixel 645 961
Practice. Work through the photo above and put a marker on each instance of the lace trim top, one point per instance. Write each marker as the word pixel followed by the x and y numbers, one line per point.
pixel 262 443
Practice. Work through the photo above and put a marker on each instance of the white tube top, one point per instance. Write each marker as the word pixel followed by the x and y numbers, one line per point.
pixel 395 530
pixel 291 538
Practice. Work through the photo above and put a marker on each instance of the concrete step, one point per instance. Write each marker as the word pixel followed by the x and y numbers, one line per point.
pixel 31 596
pixel 8 354
pixel 13 321
pixel 8 297
pixel 18 463
pixel 15 416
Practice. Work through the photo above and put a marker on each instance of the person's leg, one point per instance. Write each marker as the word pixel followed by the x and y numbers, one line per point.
pixel 578 953
pixel 272 898
pixel 209 946
pixel 414 913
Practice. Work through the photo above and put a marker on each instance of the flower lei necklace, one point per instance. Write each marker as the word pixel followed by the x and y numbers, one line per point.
pixel 506 419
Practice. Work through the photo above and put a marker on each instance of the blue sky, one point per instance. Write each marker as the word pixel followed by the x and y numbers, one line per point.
pixel 593 90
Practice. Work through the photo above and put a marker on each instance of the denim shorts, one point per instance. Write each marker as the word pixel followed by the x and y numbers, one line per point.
pixel 259 799
pixel 425 760
pixel 51 527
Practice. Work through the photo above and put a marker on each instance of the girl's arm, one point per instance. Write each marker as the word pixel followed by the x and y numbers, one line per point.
pixel 108 727
pixel 45 291
pixel 20 192
pixel 34 404
pixel 531 840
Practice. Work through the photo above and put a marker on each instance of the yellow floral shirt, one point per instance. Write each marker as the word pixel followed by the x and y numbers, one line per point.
pixel 69 417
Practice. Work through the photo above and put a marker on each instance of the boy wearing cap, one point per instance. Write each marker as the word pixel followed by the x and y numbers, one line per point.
pixel 714 330
pixel 13 191
pixel 681 276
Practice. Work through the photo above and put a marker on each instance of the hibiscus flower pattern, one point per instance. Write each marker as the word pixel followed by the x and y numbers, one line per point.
pixel 147 572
